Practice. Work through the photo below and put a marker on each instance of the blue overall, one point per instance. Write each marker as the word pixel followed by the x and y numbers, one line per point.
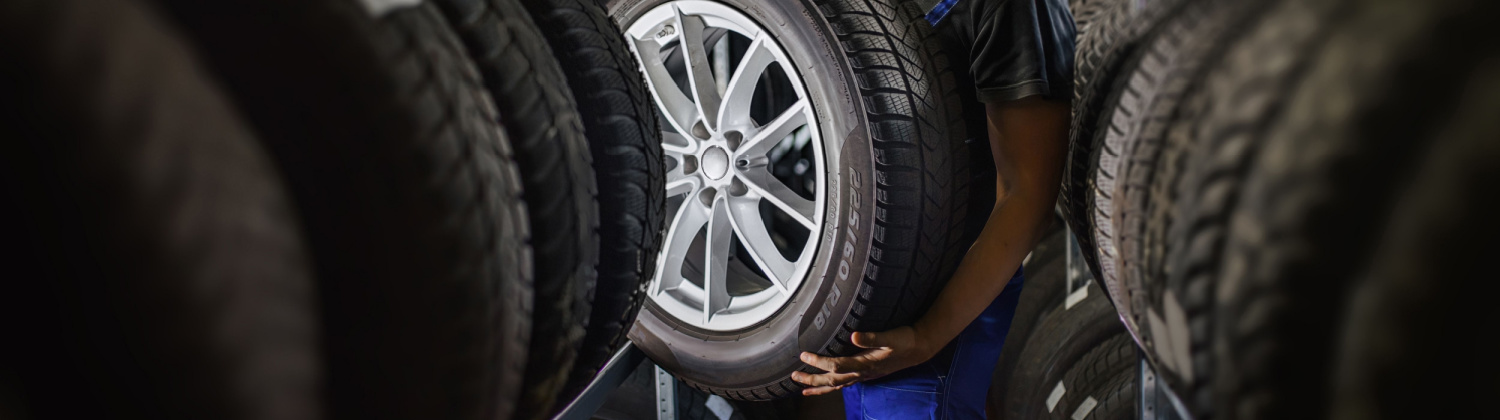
pixel 953 384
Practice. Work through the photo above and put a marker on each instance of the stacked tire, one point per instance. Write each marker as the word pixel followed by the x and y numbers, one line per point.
pixel 1256 183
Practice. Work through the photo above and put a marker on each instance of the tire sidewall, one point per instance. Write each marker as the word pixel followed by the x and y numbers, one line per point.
pixel 767 352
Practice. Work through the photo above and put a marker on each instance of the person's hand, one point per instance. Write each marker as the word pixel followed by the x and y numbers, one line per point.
pixel 885 353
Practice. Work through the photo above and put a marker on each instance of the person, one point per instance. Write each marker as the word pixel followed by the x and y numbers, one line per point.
pixel 1020 56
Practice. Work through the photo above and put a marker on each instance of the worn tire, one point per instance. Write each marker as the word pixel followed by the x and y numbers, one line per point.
pixel 408 190
pixel 156 267
pixel 539 113
pixel 898 200
pixel 625 139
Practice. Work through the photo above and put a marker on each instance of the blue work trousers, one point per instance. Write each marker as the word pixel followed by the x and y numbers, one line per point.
pixel 953 384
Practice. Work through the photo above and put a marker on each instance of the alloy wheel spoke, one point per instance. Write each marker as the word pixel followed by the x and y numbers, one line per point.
pixel 685 225
pixel 735 110
pixel 679 182
pixel 700 72
pixel 677 144
pixel 745 215
pixel 716 260
pixel 680 149
pixel 765 186
pixel 770 134
pixel 680 110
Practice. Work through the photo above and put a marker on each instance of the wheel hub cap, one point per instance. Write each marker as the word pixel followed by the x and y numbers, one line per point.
pixel 715 163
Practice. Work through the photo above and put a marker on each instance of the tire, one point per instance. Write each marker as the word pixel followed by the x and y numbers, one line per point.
pixel 10 397
pixel 951 55
pixel 1064 339
pixel 1046 271
pixel 1144 144
pixel 625 140
pixel 694 404
pixel 1083 14
pixel 539 114
pixel 1094 380
pixel 1432 256
pixel 1112 33
pixel 408 190
pixel 896 207
pixel 1297 160
pixel 157 269
pixel 1118 399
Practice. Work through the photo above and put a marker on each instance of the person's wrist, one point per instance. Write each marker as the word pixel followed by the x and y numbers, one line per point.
pixel 926 345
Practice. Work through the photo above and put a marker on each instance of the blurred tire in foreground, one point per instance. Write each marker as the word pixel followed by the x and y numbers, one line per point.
pixel 155 268
pixel 407 189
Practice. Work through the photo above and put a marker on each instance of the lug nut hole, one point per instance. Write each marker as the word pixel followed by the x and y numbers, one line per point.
pixel 706 196
pixel 700 131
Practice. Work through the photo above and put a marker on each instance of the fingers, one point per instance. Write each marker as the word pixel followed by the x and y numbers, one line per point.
pixel 825 379
pixel 868 340
pixel 828 364
pixel 839 372
pixel 820 390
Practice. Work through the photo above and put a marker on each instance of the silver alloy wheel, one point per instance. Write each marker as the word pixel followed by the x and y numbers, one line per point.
pixel 720 162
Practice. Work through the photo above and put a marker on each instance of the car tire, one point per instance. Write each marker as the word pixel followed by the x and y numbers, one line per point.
pixel 1149 129
pixel 1113 33
pixel 1062 340
pixel 1046 271
pixel 541 117
pixel 1116 398
pixel 1101 385
pixel 156 268
pixel 893 177
pixel 1302 213
pixel 408 190
pixel 1083 14
pixel 1433 254
pixel 1295 157
pixel 625 138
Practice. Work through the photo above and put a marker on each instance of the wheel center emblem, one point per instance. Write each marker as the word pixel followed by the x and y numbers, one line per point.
pixel 715 163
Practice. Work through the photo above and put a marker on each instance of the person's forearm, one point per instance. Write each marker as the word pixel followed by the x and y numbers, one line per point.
pixel 1007 237
pixel 1029 142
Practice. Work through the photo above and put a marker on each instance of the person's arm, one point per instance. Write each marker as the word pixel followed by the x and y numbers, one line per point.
pixel 1028 138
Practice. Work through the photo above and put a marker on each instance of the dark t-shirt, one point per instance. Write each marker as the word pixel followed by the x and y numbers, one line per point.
pixel 1013 48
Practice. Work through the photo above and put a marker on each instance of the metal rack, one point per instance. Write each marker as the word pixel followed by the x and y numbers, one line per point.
pixel 1157 402
pixel 614 373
